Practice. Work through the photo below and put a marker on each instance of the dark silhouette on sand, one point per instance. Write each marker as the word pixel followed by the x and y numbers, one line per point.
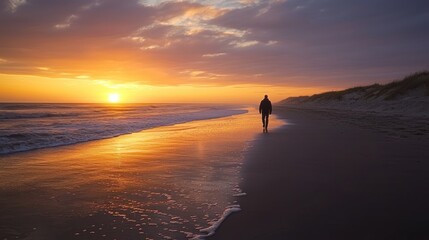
pixel 265 109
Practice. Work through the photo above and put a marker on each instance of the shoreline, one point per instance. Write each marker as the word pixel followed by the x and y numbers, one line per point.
pixel 167 182
pixel 6 150
pixel 323 178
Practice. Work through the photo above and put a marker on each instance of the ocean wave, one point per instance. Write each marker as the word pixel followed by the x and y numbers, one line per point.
pixel 33 130
pixel 14 115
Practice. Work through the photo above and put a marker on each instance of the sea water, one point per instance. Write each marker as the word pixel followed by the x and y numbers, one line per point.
pixel 30 126
pixel 176 179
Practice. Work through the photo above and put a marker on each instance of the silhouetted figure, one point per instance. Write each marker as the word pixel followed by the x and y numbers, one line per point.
pixel 265 109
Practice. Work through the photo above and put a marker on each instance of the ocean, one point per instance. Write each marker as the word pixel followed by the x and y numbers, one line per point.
pixel 126 171
pixel 26 127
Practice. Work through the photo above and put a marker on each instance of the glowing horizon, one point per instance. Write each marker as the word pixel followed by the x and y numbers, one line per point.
pixel 88 91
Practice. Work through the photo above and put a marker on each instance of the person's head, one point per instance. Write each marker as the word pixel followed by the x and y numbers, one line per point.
pixel 266 97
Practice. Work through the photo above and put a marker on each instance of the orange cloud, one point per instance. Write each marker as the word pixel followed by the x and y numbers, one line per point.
pixel 290 44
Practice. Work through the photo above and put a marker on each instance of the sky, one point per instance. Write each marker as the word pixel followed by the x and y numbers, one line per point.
pixel 205 51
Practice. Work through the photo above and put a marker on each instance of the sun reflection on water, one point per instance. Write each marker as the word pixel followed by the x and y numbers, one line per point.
pixel 168 182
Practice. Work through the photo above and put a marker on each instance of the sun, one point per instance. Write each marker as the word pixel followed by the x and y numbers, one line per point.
pixel 114 98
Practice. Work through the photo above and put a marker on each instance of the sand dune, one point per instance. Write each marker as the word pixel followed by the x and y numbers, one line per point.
pixel 408 97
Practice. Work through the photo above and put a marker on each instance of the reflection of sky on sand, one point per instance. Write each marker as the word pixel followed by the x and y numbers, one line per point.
pixel 167 182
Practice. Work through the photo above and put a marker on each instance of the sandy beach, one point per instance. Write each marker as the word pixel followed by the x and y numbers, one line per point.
pixel 328 175
pixel 172 182
pixel 322 175
pixel 148 119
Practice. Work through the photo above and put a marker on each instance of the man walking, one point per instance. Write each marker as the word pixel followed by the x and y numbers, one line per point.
pixel 265 109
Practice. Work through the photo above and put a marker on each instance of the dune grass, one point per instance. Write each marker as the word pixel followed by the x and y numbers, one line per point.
pixel 389 91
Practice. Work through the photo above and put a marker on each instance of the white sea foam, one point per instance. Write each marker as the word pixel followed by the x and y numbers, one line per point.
pixel 30 126
pixel 209 231
pixel 242 194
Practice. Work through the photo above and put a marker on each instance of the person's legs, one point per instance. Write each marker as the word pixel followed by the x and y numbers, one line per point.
pixel 263 120
pixel 266 121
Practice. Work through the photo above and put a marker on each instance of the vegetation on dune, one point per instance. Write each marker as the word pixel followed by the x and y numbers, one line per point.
pixel 395 89
pixel 390 91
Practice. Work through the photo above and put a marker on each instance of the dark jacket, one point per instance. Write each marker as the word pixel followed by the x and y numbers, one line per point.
pixel 265 106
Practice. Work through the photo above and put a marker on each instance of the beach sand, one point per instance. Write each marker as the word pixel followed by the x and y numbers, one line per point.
pixel 164 183
pixel 326 176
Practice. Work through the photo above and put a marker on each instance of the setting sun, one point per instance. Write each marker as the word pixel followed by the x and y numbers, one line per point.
pixel 114 97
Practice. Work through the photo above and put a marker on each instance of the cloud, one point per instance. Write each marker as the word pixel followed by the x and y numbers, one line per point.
pixel 13 5
pixel 43 68
pixel 213 54
pixel 69 20
pixel 339 38
pixel 187 25
pixel 202 76
pixel 294 42
pixel 242 44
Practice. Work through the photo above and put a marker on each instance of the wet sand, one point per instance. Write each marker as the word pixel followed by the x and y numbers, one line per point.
pixel 320 177
pixel 165 183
